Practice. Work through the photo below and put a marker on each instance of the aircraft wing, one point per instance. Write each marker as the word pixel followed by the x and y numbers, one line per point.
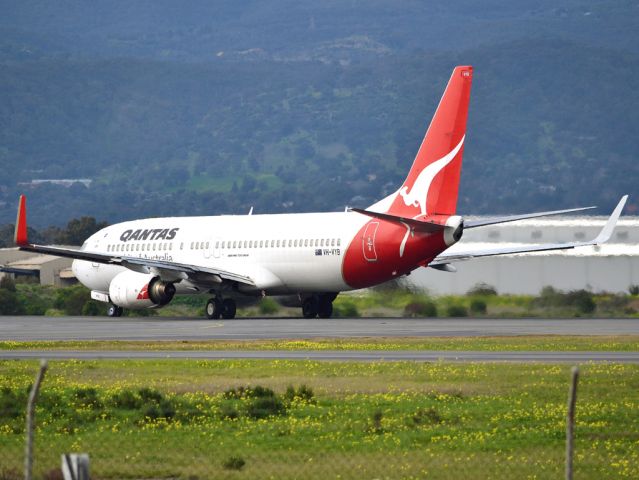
pixel 164 268
pixel 449 257
pixel 143 265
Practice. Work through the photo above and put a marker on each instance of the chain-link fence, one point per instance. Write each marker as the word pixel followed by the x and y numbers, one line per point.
pixel 243 419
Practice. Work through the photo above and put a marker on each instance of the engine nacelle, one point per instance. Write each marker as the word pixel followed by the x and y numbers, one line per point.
pixel 139 290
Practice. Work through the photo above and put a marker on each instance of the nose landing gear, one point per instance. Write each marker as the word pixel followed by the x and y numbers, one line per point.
pixel 114 311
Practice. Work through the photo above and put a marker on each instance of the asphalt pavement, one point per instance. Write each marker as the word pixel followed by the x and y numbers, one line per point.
pixel 24 328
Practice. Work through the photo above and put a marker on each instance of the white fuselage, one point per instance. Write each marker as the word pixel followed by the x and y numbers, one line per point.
pixel 285 253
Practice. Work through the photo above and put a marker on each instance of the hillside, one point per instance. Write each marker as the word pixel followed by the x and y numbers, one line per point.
pixel 318 108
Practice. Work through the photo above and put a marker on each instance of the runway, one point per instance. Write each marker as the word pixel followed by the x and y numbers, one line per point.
pixel 321 355
pixel 175 329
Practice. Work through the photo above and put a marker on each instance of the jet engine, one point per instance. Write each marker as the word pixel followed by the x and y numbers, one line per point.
pixel 138 290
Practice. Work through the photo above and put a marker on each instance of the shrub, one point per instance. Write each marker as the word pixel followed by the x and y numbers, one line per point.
pixel 233 463
pixel 264 407
pixel 92 308
pixel 456 311
pixel 87 397
pixel 268 306
pixel 482 289
pixel 582 300
pixel 345 309
pixel 72 299
pixel 633 289
pixel 228 412
pixel 420 308
pixel 376 422
pixel 260 392
pixel 12 404
pixel 7 283
pixel 478 306
pixel 126 399
pixel 10 303
pixel 429 416
pixel 150 395
pixel 303 393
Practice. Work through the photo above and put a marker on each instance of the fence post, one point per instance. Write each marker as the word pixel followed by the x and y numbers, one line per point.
pixel 33 395
pixel 570 421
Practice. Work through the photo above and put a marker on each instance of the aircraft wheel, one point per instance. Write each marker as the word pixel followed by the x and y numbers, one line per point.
pixel 310 307
pixel 114 311
pixel 213 309
pixel 228 308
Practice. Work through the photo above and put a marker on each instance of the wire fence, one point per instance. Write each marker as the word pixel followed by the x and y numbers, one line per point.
pixel 293 432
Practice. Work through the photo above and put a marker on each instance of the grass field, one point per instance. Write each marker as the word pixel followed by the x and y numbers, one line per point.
pixel 191 419
pixel 611 343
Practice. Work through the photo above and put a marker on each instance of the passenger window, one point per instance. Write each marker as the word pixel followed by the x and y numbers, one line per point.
pixel 295 243
pixel 217 244
pixel 290 243
pixel 181 245
pixel 277 244
pixel 170 246
pixel 339 241
pixel 332 242
pixel 207 245
pixel 306 242
pixel 261 242
pixel 272 243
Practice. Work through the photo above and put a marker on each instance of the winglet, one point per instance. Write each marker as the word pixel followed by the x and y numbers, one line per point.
pixel 606 231
pixel 20 236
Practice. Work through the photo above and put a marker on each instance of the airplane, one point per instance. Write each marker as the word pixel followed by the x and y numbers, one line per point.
pixel 313 257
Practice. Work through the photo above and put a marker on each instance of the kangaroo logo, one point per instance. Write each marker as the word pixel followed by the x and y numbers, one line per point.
pixel 418 194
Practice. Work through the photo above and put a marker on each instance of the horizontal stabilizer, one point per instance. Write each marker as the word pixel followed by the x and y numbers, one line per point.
pixel 417 225
pixel 604 236
pixel 514 218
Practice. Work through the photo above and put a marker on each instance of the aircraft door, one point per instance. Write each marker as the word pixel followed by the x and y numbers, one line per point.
pixel 368 242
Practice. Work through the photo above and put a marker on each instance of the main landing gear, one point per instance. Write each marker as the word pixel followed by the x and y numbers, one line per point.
pixel 318 305
pixel 114 311
pixel 216 308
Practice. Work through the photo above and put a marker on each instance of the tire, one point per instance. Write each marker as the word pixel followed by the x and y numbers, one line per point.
pixel 213 309
pixel 310 307
pixel 228 308
pixel 114 311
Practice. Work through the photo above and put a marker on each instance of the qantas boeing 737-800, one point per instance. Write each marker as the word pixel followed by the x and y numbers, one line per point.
pixel 312 256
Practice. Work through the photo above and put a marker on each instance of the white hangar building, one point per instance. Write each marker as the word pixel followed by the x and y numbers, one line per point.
pixel 611 267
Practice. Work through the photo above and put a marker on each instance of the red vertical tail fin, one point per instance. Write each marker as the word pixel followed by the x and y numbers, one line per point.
pixel 20 235
pixel 432 184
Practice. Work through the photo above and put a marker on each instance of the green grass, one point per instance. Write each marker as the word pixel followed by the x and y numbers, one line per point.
pixel 362 420
pixel 618 343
